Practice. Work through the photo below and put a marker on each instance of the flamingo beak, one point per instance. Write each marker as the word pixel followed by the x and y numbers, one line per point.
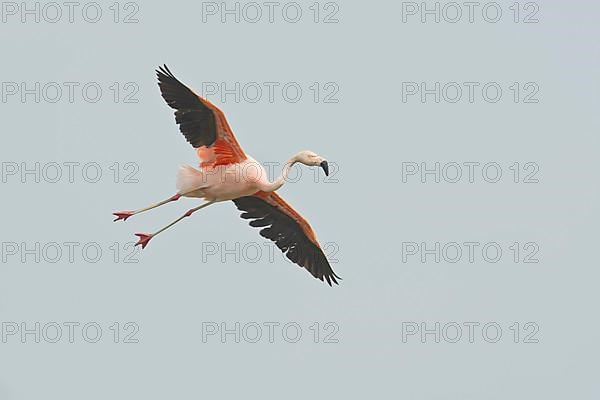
pixel 325 167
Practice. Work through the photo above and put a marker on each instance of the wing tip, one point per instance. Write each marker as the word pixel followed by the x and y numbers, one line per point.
pixel 331 277
pixel 165 76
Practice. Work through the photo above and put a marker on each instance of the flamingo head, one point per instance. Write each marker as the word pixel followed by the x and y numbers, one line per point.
pixel 312 159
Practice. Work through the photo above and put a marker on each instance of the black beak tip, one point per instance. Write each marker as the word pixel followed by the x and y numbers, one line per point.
pixel 325 167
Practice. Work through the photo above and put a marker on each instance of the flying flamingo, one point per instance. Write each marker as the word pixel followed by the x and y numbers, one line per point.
pixel 227 173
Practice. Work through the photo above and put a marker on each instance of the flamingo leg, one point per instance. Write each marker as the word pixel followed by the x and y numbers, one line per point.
pixel 123 215
pixel 145 237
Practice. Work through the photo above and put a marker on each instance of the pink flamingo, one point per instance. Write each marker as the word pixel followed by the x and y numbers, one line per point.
pixel 227 173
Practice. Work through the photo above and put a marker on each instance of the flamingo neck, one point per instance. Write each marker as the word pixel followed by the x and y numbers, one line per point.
pixel 277 183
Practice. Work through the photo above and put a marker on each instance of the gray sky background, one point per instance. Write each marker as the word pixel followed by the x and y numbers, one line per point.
pixel 367 214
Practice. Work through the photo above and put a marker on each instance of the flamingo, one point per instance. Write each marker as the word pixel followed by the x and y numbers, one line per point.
pixel 228 173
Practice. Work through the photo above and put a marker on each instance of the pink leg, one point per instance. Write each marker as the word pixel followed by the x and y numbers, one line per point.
pixel 123 215
pixel 145 237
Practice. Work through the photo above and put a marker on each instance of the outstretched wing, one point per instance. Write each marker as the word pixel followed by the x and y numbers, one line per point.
pixel 201 122
pixel 290 232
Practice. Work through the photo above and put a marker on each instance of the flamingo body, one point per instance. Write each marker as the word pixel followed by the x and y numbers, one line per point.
pixel 223 182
